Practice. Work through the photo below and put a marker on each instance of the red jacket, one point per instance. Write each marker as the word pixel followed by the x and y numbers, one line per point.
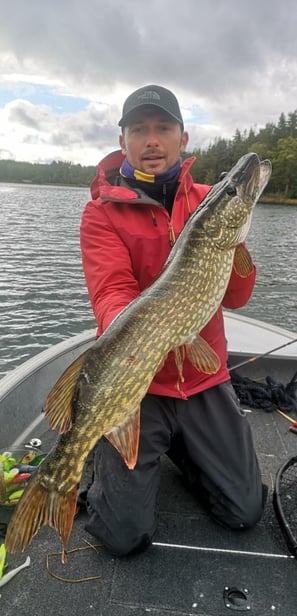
pixel 125 239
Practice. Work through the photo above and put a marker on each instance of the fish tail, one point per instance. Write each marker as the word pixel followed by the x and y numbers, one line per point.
pixel 39 506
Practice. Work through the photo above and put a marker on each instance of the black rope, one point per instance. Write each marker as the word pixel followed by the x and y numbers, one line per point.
pixel 266 396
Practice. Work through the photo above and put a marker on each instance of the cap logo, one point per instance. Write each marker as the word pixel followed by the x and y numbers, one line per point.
pixel 149 95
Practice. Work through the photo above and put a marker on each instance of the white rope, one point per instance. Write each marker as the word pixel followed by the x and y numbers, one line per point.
pixel 219 550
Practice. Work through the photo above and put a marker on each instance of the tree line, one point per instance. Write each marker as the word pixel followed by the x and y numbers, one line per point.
pixel 278 142
pixel 61 172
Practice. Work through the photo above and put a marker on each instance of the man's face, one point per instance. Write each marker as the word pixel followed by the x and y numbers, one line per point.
pixel 152 141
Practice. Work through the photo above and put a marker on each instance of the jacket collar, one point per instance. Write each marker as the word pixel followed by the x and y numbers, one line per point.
pixel 108 169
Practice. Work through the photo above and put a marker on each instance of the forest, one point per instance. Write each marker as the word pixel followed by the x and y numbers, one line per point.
pixel 278 142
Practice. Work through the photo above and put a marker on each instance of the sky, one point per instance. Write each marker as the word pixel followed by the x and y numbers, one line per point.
pixel 66 67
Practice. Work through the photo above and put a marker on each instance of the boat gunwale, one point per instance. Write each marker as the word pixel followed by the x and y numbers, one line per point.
pixel 34 364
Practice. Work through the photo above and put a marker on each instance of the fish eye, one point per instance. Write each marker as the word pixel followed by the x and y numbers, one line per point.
pixel 231 190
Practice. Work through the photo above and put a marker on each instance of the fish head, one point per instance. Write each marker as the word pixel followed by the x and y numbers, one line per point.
pixel 231 201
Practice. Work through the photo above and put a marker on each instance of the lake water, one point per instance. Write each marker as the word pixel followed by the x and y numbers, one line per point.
pixel 43 299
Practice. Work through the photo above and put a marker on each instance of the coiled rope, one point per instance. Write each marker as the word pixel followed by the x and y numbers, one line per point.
pixel 267 396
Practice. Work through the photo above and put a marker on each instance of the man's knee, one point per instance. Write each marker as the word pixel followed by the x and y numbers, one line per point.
pixel 242 514
pixel 121 540
pixel 130 545
pixel 126 545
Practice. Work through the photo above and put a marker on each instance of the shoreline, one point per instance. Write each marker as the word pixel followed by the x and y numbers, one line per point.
pixel 277 200
pixel 270 199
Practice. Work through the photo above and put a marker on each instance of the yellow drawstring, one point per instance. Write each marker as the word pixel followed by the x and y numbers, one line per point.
pixel 187 199
pixel 172 237
pixel 154 218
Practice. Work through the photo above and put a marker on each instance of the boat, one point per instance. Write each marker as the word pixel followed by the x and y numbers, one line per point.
pixel 193 566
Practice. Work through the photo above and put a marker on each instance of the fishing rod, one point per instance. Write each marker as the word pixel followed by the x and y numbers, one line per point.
pixel 255 357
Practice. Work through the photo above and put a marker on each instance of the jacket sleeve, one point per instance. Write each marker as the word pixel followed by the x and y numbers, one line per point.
pixel 107 266
pixel 240 288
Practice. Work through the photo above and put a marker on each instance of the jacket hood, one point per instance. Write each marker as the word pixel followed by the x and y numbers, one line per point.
pixel 108 170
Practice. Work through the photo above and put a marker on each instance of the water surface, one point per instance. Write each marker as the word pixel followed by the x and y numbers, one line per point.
pixel 43 298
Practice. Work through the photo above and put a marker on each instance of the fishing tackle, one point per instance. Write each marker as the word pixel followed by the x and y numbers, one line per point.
pixel 7 460
pixel 20 478
pixel 8 576
pixel 255 357
pixel 2 559
pixel 15 496
pixel 26 468
pixel 10 475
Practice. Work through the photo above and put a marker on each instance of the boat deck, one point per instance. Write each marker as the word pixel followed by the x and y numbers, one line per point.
pixel 187 569
pixel 194 566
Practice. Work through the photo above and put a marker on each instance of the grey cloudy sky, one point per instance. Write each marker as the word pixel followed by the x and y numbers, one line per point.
pixel 66 68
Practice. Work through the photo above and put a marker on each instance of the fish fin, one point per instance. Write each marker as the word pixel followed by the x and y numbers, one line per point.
pixel 202 356
pixel 161 364
pixel 39 506
pixel 242 263
pixel 179 355
pixel 125 439
pixel 58 405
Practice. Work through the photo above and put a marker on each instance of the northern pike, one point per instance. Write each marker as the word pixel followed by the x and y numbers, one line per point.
pixel 100 393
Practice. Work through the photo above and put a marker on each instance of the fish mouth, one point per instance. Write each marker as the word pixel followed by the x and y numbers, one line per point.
pixel 254 186
pixel 245 177
pixel 233 199
pixel 265 173
pixel 250 179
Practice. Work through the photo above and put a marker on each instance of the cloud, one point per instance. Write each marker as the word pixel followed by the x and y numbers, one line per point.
pixel 231 64
pixel 74 137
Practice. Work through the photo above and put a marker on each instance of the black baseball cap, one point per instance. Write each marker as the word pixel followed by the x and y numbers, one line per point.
pixel 155 96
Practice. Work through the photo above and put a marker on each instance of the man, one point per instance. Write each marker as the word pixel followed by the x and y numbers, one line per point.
pixel 142 197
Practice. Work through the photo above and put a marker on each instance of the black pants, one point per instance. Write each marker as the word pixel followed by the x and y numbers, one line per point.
pixel 208 437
